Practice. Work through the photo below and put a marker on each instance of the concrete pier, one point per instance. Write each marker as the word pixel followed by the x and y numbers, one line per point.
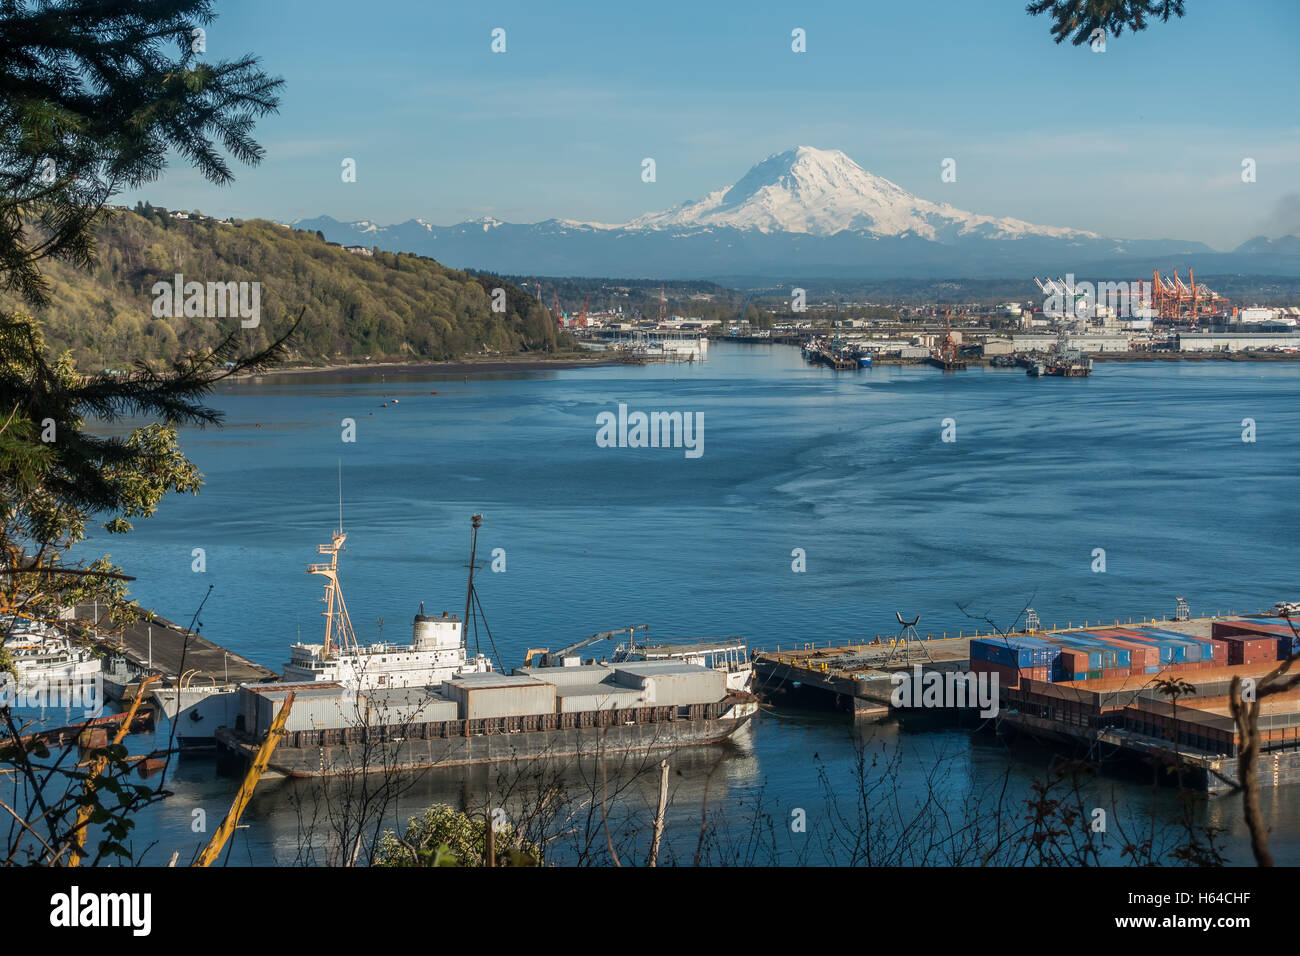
pixel 159 646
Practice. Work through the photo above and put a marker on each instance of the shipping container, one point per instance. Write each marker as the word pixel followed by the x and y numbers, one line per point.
pixel 1281 630
pixel 1008 676
pixel 1110 655
pixel 1249 648
pixel 1141 653
pixel 1014 651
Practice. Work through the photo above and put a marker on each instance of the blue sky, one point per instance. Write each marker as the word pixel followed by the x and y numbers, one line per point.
pixel 1145 140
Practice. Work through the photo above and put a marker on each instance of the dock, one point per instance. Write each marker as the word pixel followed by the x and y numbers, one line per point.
pixel 162 647
pixel 856 676
pixel 1116 714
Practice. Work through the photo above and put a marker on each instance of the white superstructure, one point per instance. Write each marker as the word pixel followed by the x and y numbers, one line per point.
pixel 436 653
pixel 728 655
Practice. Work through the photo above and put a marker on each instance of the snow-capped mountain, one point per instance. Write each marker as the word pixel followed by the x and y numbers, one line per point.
pixel 806 211
pixel 821 192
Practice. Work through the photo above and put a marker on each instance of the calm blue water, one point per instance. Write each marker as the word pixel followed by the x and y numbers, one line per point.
pixel 1145 461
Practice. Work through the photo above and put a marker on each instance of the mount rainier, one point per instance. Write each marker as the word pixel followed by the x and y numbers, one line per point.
pixel 804 212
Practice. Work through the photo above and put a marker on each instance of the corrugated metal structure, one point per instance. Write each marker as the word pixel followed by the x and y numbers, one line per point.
pixel 575 698
pixel 316 705
pixel 499 695
pixel 403 705
pixel 572 674
pixel 671 683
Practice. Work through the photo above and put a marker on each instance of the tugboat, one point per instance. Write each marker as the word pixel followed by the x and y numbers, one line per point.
pixel 1065 362
pixel 1070 364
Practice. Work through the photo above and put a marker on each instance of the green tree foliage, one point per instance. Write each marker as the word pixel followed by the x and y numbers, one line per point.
pixel 1082 18
pixel 388 306
pixel 91 101
pixel 442 836
pixel 93 95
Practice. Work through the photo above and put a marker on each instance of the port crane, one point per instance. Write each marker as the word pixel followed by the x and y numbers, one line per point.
pixel 1170 296
pixel 551 658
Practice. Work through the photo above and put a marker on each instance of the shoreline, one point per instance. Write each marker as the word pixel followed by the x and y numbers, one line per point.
pixel 451 367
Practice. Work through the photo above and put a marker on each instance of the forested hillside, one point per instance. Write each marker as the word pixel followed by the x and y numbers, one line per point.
pixel 397 307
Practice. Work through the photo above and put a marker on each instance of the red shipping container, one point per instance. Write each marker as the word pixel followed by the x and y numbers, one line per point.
pixel 1075 662
pixel 1143 654
pixel 1008 676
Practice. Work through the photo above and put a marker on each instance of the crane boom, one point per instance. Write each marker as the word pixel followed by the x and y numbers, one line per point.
pixel 554 656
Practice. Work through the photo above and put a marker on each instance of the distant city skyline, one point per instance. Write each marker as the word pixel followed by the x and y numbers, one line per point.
pixel 1145 140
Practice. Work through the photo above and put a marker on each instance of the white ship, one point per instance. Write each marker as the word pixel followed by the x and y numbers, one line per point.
pixel 728 655
pixel 44 657
pixel 437 652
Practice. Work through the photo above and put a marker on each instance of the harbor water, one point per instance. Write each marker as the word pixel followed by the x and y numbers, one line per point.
pixel 820 503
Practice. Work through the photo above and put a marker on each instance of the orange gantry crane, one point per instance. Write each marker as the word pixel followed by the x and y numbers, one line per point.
pixel 1175 300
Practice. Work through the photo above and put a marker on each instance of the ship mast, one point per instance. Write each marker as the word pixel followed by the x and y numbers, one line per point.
pixel 475 522
pixel 337 620
pixel 472 603
pixel 338 624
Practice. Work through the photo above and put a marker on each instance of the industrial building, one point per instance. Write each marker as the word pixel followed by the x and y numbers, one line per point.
pixel 1237 341
pixel 1082 342
pixel 997 347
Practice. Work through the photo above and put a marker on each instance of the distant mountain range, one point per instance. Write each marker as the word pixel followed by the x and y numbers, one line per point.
pixel 805 212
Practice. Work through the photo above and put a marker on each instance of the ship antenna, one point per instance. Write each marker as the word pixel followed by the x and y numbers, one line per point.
pixel 340 494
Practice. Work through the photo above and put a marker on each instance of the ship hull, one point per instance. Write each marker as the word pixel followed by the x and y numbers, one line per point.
pixel 948 365
pixel 333 759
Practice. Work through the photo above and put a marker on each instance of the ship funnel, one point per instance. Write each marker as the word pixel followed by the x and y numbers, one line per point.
pixel 435 633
